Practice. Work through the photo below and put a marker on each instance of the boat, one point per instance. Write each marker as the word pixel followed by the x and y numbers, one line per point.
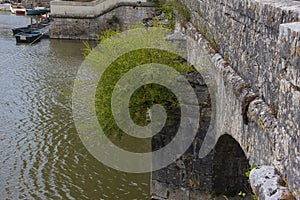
pixel 28 37
pixel 37 11
pixel 12 10
pixel 17 9
pixel 32 27
pixel 19 30
pixel 25 29
pixel 20 11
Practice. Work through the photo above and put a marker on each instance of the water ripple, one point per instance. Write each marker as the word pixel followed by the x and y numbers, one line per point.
pixel 41 155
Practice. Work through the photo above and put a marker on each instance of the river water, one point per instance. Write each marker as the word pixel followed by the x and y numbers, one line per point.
pixel 41 155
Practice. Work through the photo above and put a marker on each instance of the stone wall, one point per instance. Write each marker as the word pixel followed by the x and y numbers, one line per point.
pixel 188 176
pixel 259 40
pixel 86 27
pixel 33 3
pixel 89 8
pixel 228 95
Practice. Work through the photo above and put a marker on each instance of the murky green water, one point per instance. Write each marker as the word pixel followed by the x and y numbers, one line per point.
pixel 41 155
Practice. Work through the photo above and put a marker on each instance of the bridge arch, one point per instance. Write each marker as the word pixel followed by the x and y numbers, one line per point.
pixel 229 167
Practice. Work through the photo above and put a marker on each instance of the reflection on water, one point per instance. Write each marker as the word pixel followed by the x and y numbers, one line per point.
pixel 41 155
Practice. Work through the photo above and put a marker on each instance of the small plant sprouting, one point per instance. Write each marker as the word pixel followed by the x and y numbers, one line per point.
pixel 244 193
pixel 202 30
pixel 113 20
pixel 225 56
pixel 87 49
pixel 251 168
pixel 172 8
pixel 199 12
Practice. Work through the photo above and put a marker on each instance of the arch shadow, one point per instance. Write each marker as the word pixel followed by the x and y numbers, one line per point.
pixel 229 167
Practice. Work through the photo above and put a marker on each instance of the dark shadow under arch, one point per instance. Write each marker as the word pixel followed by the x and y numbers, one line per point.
pixel 229 167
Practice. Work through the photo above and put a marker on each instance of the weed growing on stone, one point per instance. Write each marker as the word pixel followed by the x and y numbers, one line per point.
pixel 172 8
pixel 244 193
pixel 144 97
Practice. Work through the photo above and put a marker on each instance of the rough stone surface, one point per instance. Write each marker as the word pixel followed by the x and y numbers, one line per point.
pixel 87 27
pixel 188 174
pixel 260 40
pixel 223 169
pixel 33 3
pixel 163 192
pixel 267 184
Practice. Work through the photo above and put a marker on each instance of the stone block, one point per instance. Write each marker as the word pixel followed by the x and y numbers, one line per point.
pixel 268 185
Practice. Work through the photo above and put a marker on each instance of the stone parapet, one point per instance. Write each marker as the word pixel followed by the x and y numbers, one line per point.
pixel 86 27
pixel 89 9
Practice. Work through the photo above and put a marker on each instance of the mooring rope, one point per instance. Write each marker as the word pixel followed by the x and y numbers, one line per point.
pixel 24 48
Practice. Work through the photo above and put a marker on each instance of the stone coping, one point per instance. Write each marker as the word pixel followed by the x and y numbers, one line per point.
pixel 76 3
pixel 91 3
pixel 291 5
pixel 89 9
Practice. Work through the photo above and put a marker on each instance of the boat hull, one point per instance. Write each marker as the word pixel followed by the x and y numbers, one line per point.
pixel 20 11
pixel 17 9
pixel 31 37
pixel 29 28
pixel 12 10
pixel 19 30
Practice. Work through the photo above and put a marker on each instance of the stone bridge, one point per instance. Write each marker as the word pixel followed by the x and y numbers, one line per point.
pixel 257 67
pixel 249 53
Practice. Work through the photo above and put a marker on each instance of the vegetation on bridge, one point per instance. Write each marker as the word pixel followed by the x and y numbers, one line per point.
pixel 146 96
pixel 170 8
